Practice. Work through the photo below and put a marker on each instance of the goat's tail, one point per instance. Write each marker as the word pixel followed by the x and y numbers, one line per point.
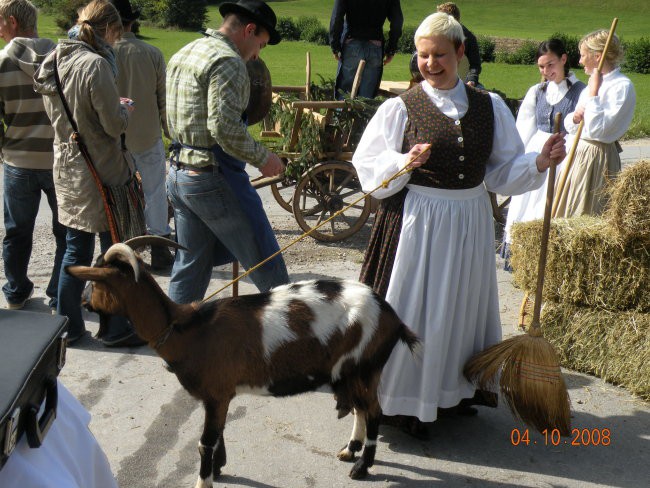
pixel 408 337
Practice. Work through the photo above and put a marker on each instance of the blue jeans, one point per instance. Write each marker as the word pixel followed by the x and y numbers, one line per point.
pixel 208 215
pixel 151 166
pixel 79 252
pixel 354 51
pixel 22 196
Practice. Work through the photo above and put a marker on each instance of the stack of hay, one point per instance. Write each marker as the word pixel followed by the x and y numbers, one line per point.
pixel 597 284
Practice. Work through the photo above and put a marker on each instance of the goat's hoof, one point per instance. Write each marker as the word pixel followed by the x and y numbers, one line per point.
pixel 346 455
pixel 359 470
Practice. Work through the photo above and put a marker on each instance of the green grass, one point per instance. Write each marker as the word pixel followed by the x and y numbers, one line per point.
pixel 514 18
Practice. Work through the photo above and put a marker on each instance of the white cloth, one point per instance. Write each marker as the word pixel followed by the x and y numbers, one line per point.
pixel 607 116
pixel 530 205
pixel 443 283
pixel 70 457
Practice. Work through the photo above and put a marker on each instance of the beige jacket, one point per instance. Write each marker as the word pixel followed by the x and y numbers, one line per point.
pixel 141 77
pixel 90 90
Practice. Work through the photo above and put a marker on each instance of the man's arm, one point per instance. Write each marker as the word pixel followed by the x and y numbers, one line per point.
pixel 473 56
pixel 228 92
pixel 396 20
pixel 336 27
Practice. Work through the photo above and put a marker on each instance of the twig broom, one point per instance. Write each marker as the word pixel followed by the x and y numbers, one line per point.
pixel 531 380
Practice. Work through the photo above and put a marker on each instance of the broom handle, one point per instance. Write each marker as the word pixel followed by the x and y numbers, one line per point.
pixel 574 146
pixel 546 228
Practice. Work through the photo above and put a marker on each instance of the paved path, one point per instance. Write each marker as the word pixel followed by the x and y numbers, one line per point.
pixel 149 427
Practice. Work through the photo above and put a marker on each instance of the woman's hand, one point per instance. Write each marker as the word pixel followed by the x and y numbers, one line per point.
pixel 417 156
pixel 578 115
pixel 554 151
pixel 595 80
pixel 128 103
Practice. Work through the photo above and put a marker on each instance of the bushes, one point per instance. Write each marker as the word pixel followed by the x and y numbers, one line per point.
pixel 637 56
pixel 486 47
pixel 524 54
pixel 311 30
pixel 405 45
pixel 287 29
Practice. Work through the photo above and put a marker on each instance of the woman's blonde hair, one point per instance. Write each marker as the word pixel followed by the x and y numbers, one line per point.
pixel 595 43
pixel 97 20
pixel 440 24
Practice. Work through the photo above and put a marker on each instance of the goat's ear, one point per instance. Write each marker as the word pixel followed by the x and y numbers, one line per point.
pixel 87 273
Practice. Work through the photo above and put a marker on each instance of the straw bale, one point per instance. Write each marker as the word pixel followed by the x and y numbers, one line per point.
pixel 614 346
pixel 629 202
pixel 588 264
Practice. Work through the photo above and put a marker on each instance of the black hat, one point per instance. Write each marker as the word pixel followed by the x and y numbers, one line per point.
pixel 126 13
pixel 258 11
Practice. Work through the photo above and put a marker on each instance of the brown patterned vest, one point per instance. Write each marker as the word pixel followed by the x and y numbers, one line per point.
pixel 460 149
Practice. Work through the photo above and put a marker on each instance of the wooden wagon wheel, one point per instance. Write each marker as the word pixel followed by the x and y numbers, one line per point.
pixel 322 191
pixel 283 192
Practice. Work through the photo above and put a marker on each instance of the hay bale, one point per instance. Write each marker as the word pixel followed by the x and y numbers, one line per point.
pixel 588 264
pixel 614 346
pixel 628 209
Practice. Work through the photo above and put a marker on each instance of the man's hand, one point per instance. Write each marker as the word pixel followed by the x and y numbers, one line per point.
pixel 273 166
pixel 554 151
pixel 337 56
pixel 388 58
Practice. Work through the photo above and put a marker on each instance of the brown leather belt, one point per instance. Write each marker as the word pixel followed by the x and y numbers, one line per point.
pixel 188 167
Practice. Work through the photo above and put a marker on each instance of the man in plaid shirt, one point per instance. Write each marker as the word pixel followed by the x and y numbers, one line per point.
pixel 218 215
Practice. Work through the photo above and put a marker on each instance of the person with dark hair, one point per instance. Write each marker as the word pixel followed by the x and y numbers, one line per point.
pixel 470 66
pixel 356 33
pixel 26 137
pixel 86 68
pixel 558 92
pixel 141 78
pixel 218 214
pixel 606 108
pixel 431 250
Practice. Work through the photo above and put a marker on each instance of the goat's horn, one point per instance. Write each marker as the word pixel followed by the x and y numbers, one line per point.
pixel 141 241
pixel 122 252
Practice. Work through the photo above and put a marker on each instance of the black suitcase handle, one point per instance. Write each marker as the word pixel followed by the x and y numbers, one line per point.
pixel 35 428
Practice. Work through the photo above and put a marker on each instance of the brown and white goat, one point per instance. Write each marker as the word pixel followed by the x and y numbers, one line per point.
pixel 292 339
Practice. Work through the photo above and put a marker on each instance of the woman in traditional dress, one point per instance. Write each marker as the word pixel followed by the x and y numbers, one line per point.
pixel 431 251
pixel 606 106
pixel 557 93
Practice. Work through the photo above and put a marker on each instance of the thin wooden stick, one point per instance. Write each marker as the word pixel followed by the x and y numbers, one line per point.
pixel 357 79
pixel 572 153
pixel 534 328
pixel 407 169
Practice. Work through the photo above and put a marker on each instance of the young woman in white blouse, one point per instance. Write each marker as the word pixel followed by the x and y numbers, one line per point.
pixel 606 106
pixel 431 251
pixel 558 92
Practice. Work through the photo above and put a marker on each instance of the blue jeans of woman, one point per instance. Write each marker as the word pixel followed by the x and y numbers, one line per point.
pixel 208 215
pixel 22 197
pixel 79 252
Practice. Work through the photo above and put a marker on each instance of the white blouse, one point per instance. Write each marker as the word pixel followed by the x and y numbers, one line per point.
pixel 608 115
pixel 379 153
pixel 527 117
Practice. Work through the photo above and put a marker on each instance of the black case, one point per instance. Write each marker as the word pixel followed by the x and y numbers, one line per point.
pixel 32 352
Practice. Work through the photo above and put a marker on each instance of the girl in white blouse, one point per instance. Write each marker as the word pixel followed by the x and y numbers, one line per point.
pixel 557 93
pixel 606 106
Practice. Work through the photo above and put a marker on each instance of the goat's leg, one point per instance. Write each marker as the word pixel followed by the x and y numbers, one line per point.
pixel 208 444
pixel 355 444
pixel 372 415
pixel 219 460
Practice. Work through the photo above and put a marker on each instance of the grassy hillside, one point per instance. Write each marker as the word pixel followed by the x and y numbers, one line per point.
pixel 514 18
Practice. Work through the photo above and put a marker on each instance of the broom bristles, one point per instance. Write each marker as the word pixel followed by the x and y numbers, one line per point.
pixel 531 381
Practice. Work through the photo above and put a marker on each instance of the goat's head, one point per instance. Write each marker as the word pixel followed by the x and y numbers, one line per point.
pixel 114 273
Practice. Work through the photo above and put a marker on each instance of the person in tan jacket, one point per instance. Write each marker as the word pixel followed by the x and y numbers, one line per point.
pixel 87 69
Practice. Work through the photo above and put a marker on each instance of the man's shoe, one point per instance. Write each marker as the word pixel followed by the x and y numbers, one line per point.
pixel 20 305
pixel 127 338
pixel 76 337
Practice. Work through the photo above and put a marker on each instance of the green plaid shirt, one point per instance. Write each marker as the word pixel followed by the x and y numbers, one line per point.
pixel 207 93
